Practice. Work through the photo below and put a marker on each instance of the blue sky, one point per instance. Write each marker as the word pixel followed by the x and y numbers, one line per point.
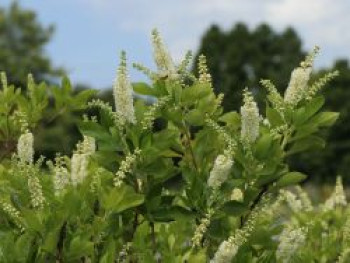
pixel 91 33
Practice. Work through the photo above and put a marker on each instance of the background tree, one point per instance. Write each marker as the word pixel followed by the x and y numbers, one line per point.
pixel 22 42
pixel 240 57
pixel 22 50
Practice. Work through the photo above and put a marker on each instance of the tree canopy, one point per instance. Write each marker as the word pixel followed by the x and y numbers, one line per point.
pixel 22 43
pixel 240 57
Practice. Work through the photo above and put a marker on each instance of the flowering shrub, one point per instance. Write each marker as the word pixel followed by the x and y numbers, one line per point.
pixel 176 180
pixel 303 232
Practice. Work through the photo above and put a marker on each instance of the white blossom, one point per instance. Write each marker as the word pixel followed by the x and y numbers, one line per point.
pixel 150 115
pixel 122 92
pixel 125 167
pixel 274 96
pixel 61 178
pixel 88 145
pixel 225 252
pixel 229 248
pixel 162 57
pixel 220 171
pixel 297 85
pixel 36 192
pixel 79 171
pixel 80 160
pixel 250 119
pixel 339 195
pixel 337 198
pixel 345 253
pixel 293 202
pixel 25 147
pixel 204 75
pixel 9 209
pixel 304 199
pixel 266 122
pixel 290 241
pixel 201 229
pixel 237 195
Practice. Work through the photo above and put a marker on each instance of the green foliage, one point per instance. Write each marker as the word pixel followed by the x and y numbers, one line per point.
pixel 325 228
pixel 29 110
pixel 335 158
pixel 173 181
pixel 241 56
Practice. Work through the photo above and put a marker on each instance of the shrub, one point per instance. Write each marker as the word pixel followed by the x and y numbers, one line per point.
pixel 304 232
pixel 171 181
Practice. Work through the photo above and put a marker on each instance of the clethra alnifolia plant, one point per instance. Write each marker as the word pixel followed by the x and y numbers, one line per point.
pixel 166 178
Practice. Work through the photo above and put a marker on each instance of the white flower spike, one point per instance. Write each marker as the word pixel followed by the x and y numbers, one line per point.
pixel 25 148
pixel 250 118
pixel 122 92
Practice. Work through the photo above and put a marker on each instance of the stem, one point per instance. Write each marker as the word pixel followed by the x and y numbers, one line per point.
pixel 286 137
pixel 7 127
pixel 253 205
pixel 153 237
pixel 123 139
pixel 53 117
pixel 188 139
pixel 60 242
pixel 284 141
pixel 134 225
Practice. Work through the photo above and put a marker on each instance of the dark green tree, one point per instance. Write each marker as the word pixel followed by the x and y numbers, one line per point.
pixel 22 42
pixel 240 57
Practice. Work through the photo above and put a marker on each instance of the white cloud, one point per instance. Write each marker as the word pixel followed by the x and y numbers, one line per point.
pixel 299 11
pixel 182 22
pixel 321 22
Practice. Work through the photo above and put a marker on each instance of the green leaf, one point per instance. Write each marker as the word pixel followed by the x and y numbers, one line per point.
pixel 78 248
pixel 109 255
pixel 305 131
pixel 197 256
pixel 263 146
pixel 144 89
pixel 58 96
pixel 195 117
pixel 170 214
pixel 291 178
pixel 274 117
pixel 66 86
pixel 305 113
pixel 122 198
pixel 71 203
pixel 325 119
pixel 32 220
pixel 308 143
pixel 80 100
pixel 192 94
pixel 22 246
pixel 95 130
pixel 232 119
pixel 50 240
pixel 234 208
